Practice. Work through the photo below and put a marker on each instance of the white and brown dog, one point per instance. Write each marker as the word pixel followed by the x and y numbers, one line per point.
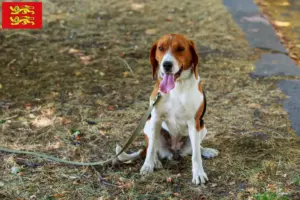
pixel 176 126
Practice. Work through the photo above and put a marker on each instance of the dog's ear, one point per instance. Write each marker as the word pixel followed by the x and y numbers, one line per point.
pixel 153 60
pixel 195 58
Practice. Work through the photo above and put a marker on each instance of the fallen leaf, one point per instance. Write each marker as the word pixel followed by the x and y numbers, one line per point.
pixel 293 56
pixel 256 18
pixel 251 190
pixel 125 74
pixel 58 195
pixel 86 57
pixel 21 173
pixel 128 185
pixel 65 121
pixel 122 54
pixel 48 111
pixel 31 116
pixel 42 121
pixel 151 31
pixel 137 6
pixel 177 194
pixel 285 3
pixel 28 106
pixel 77 73
pixel 271 186
pixel 281 23
pixel 0 86
pixel 253 105
pixel 73 51
pixel 111 108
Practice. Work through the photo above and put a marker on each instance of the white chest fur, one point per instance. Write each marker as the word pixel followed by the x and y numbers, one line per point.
pixel 179 106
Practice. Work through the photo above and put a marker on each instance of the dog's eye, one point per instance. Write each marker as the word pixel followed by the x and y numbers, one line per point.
pixel 180 49
pixel 161 48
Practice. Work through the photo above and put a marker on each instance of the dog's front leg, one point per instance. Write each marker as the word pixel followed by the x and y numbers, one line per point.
pixel 196 136
pixel 152 130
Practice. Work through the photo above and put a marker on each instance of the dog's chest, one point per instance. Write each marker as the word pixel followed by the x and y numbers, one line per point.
pixel 178 108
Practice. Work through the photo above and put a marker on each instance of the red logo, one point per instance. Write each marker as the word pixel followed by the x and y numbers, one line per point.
pixel 22 15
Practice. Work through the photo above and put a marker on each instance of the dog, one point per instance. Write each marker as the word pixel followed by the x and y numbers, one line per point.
pixel 175 127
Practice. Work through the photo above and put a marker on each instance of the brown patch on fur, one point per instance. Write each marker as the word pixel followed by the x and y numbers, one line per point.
pixel 182 49
pixel 153 60
pixel 155 90
pixel 199 122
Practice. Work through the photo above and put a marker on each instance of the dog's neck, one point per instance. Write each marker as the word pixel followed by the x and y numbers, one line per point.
pixel 185 75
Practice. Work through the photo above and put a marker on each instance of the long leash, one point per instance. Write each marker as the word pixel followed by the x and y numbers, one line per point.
pixel 129 141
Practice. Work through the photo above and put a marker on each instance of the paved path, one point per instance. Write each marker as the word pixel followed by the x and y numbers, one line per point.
pixel 260 34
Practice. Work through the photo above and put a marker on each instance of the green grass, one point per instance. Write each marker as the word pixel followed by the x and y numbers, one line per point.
pixel 296 181
pixel 269 196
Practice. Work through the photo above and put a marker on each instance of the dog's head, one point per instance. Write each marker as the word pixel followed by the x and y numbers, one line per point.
pixel 170 56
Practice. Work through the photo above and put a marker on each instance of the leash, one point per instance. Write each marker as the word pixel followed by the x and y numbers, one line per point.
pixel 129 141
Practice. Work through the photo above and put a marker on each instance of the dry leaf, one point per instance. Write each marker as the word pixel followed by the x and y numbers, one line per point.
pixel 125 74
pixel 111 108
pixel 271 186
pixel 42 121
pixel 74 51
pixel 48 111
pixel 58 195
pixel 86 58
pixel 285 3
pixel 177 194
pixel 281 23
pixel 253 105
pixel 251 190
pixel 66 121
pixel 77 73
pixel 28 106
pixel 151 31
pixel 256 18
pixel 137 6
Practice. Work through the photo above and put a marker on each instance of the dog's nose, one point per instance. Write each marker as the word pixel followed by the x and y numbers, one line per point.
pixel 168 65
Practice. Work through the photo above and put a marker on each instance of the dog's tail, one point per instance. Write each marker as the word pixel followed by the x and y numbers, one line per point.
pixel 129 157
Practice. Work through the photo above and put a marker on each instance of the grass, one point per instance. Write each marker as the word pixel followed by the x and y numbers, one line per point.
pixel 296 181
pixel 69 76
pixel 269 196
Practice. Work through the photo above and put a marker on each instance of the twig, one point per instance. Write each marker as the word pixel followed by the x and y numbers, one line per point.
pixel 11 62
pixel 127 65
pixel 101 179
pixel 8 118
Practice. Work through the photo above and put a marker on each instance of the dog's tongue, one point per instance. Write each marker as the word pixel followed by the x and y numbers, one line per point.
pixel 167 84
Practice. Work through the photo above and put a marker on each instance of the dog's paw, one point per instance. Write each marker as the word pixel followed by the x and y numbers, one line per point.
pixel 199 176
pixel 209 152
pixel 147 168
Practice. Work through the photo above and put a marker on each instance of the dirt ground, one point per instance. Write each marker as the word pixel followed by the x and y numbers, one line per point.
pixel 88 71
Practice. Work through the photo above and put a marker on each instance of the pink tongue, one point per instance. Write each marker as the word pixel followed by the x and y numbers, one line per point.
pixel 167 83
